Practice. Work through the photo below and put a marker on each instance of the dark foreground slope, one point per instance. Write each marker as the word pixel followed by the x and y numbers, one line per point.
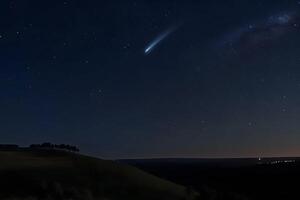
pixel 43 174
pixel 219 179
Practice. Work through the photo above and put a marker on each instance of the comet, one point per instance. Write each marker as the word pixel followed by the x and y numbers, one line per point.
pixel 149 48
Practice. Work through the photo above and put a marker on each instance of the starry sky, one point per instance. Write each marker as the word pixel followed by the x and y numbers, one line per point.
pixel 136 79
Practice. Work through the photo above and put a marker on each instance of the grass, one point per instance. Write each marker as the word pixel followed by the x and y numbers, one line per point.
pixel 47 174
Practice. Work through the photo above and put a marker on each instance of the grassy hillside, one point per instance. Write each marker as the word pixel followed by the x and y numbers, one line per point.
pixel 43 174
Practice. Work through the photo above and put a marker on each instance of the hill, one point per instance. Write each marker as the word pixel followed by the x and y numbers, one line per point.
pixel 49 174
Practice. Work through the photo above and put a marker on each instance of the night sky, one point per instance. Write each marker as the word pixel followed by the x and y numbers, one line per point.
pixel 126 79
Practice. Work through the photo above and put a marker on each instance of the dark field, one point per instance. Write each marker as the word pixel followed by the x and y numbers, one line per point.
pixel 28 174
pixel 272 178
pixel 58 175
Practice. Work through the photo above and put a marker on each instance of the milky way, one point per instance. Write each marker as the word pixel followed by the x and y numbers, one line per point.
pixel 261 32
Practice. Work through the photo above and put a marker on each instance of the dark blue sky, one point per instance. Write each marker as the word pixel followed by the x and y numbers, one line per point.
pixel 224 83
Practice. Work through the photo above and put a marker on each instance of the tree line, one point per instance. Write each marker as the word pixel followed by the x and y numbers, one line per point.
pixel 49 145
